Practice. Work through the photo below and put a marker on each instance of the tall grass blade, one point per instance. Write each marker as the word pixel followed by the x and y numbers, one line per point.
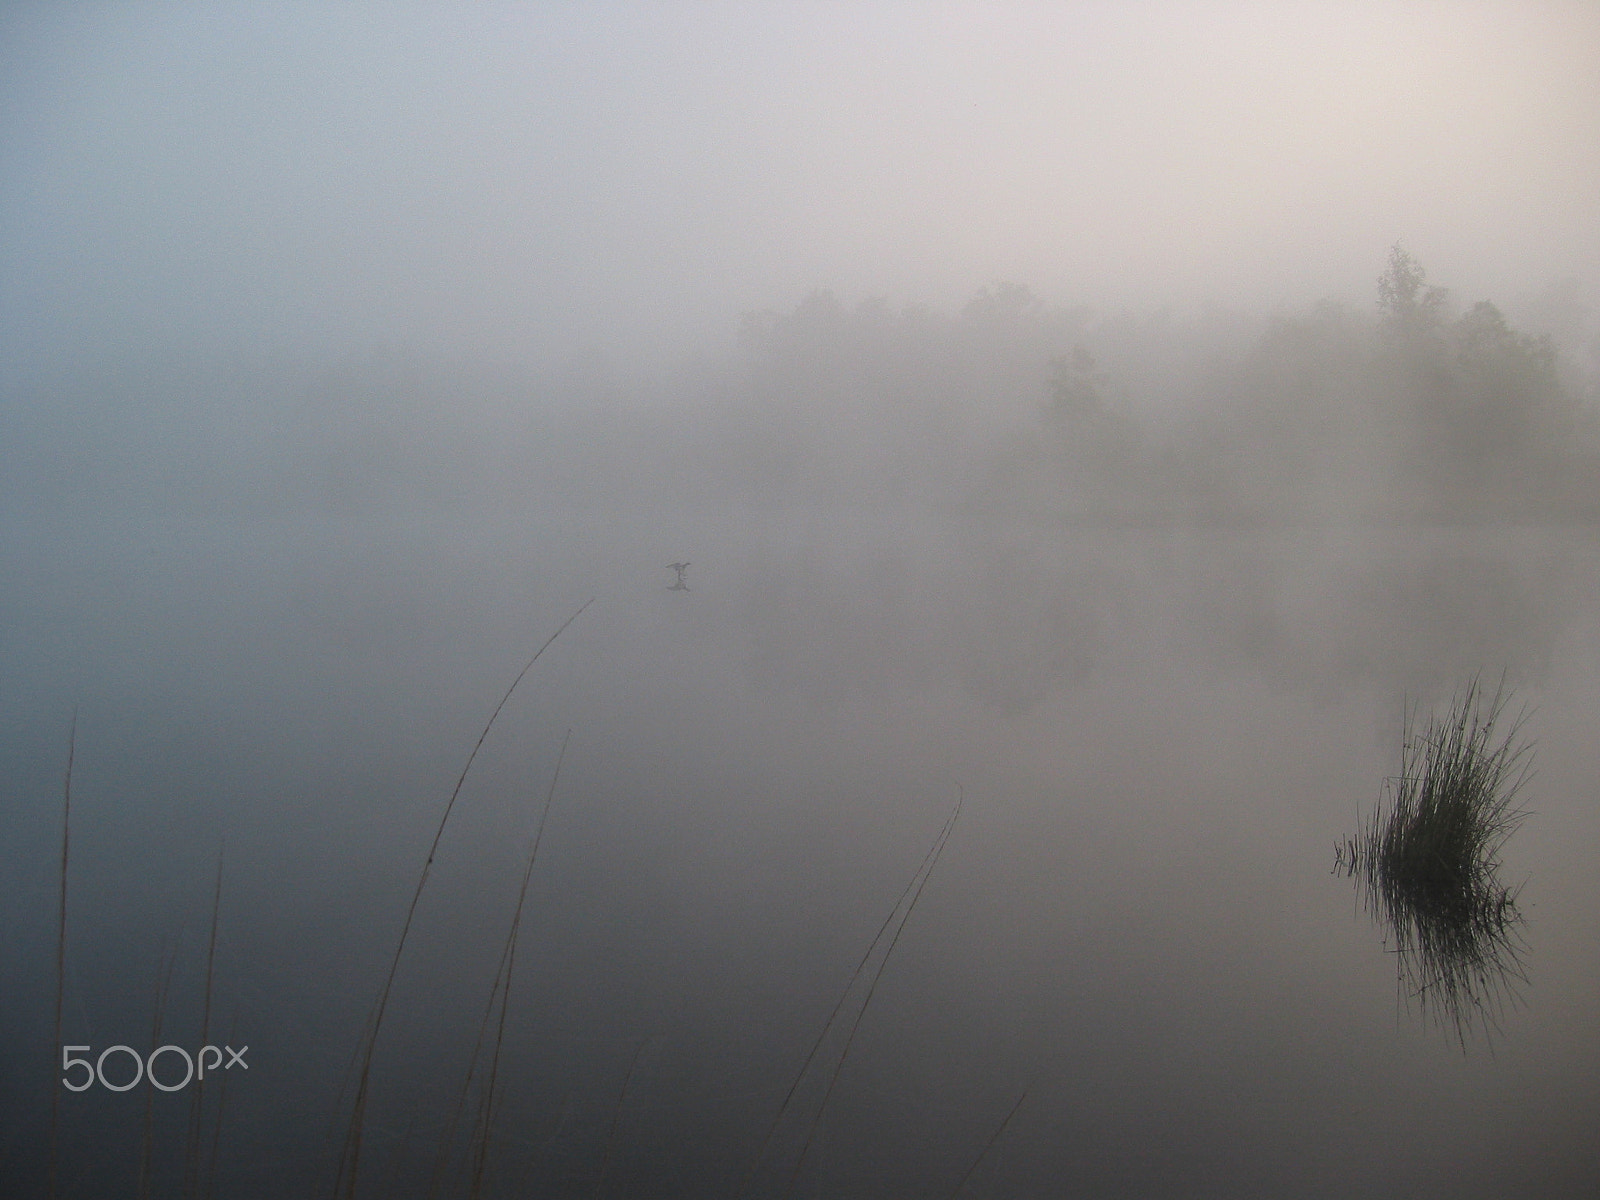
pixel 191 1155
pixel 508 961
pixel 350 1159
pixel 833 1016
pixel 147 1153
pixel 872 987
pixel 61 952
pixel 216 1124
pixel 989 1145
pixel 616 1120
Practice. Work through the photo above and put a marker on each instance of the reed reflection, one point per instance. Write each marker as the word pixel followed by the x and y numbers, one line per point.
pixel 1429 858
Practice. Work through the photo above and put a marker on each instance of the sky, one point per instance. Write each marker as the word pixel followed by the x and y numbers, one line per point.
pixel 524 183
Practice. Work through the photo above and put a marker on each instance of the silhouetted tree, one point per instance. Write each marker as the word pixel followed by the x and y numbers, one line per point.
pixel 1488 417
pixel 1508 403
pixel 1074 385
pixel 1004 302
pixel 1406 301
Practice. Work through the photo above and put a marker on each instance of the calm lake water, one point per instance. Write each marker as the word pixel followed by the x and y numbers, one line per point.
pixel 1158 735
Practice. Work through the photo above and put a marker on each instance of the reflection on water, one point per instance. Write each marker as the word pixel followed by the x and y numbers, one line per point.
pixel 1150 727
pixel 1430 862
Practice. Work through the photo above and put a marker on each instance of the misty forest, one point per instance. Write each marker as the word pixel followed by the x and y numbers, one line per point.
pixel 1019 742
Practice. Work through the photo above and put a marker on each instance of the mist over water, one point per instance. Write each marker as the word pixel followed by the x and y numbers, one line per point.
pixel 1146 569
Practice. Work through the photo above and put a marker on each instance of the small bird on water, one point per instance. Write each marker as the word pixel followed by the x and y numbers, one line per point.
pixel 680 586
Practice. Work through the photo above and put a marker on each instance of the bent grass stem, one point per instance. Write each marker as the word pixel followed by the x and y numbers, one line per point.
pixel 350 1158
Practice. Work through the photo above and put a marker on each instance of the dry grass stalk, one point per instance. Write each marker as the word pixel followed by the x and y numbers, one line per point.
pixel 61 949
pixel 346 1178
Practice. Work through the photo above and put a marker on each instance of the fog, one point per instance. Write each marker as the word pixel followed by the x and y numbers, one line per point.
pixel 531 183
pixel 1112 420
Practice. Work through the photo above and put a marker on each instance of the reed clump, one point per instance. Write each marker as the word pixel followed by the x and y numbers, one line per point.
pixel 1430 856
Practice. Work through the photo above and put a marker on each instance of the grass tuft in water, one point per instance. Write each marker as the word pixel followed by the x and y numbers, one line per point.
pixel 1430 858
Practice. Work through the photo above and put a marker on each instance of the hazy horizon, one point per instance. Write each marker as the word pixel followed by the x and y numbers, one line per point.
pixel 546 184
